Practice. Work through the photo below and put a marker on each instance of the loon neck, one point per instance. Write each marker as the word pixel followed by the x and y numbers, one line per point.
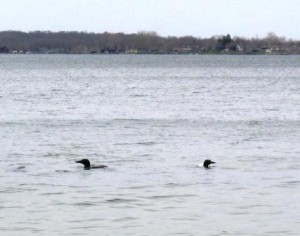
pixel 87 165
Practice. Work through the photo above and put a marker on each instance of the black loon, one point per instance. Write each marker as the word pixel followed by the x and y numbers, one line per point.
pixel 206 163
pixel 87 164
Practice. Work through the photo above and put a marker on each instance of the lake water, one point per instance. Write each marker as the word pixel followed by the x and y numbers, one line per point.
pixel 152 120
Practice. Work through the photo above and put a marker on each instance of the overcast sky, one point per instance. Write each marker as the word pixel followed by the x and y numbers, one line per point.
pixel 200 18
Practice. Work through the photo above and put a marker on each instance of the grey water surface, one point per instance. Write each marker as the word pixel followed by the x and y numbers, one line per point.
pixel 152 119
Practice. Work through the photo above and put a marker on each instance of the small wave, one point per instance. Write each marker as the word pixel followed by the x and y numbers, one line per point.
pixel 138 96
pixel 170 196
pixel 84 227
pixel 20 229
pixel 57 90
pixel 11 207
pixel 239 213
pixel 253 206
pixel 147 143
pixel 292 182
pixel 51 154
pixel 175 185
pixel 21 168
pixel 139 143
pixel 34 131
pixel 287 184
pixel 54 193
pixel 140 187
pixel 84 204
pixel 125 219
pixel 121 144
pixel 17 190
pixel 121 200
pixel 284 232
pixel 63 171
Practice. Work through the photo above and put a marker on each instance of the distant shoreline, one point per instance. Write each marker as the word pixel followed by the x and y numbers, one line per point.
pixel 46 42
pixel 145 54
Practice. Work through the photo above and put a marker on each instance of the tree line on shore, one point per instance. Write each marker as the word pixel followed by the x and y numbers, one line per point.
pixel 141 43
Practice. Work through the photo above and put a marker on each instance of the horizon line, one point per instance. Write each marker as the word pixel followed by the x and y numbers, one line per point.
pixel 152 32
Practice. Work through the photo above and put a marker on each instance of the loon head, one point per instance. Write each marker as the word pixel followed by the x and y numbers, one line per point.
pixel 207 163
pixel 85 162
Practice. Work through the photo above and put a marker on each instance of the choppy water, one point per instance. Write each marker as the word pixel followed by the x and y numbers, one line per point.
pixel 152 120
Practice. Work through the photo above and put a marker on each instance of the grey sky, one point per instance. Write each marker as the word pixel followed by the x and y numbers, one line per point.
pixel 200 18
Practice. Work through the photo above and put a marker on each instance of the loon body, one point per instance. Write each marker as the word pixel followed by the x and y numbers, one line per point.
pixel 87 164
pixel 207 163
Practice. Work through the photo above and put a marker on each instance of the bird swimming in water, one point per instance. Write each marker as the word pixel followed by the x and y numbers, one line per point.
pixel 87 164
pixel 207 163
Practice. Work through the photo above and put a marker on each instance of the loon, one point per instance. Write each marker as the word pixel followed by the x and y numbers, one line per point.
pixel 87 164
pixel 206 163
